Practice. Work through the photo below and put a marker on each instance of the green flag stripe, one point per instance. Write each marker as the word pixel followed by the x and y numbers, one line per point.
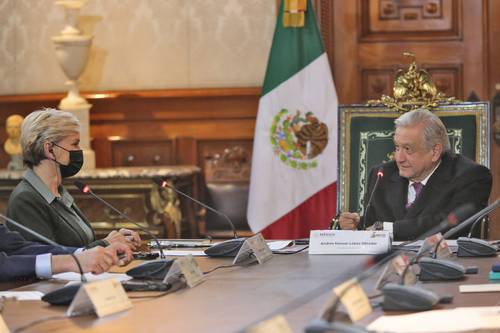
pixel 292 49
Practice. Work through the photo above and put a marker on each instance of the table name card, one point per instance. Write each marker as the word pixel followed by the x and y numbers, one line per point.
pixel 253 249
pixel 3 326
pixel 394 271
pixel 349 242
pixel 188 268
pixel 103 297
pixel 354 299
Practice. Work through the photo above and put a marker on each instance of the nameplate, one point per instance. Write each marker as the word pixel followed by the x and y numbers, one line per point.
pixel 276 324
pixel 349 242
pixel 3 326
pixel 443 250
pixel 188 268
pixel 103 297
pixel 354 299
pixel 253 249
pixel 393 272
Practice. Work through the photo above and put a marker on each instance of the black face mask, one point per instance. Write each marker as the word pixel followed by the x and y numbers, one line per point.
pixel 75 162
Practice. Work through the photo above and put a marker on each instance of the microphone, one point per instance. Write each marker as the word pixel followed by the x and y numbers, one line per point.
pixel 380 174
pixel 396 297
pixel 87 190
pixel 435 269
pixel 227 248
pixel 475 247
pixel 61 296
pixel 472 219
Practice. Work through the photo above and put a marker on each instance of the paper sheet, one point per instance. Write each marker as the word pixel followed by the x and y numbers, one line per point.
pixel 437 321
pixel 479 288
pixel 181 253
pixel 23 295
pixel 278 245
pixel 70 276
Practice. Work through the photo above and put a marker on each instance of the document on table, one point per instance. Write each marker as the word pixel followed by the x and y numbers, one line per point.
pixel 181 253
pixel 70 276
pixel 479 288
pixel 455 320
pixel 278 245
pixel 23 295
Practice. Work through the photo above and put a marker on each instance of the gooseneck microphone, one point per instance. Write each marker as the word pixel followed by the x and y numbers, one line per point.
pixel 440 269
pixel 162 182
pixel 380 175
pixel 87 190
pixel 227 248
pixel 472 219
pixel 396 297
pixel 475 247
pixel 61 296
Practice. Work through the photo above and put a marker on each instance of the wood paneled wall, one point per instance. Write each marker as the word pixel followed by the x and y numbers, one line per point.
pixel 455 40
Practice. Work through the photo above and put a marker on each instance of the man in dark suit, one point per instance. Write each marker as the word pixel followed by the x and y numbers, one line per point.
pixel 424 183
pixel 20 259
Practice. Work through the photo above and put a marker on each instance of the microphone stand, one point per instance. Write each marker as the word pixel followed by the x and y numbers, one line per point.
pixel 87 190
pixel 321 325
pixel 228 248
pixel 380 174
pixel 473 219
pixel 61 296
pixel 164 183
pixel 46 240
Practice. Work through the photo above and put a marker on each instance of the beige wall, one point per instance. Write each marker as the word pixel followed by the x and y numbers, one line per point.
pixel 139 44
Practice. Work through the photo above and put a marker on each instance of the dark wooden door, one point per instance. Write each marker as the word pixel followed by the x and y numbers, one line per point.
pixel 455 40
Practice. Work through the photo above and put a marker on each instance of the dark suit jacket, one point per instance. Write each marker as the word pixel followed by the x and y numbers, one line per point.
pixel 455 182
pixel 29 208
pixel 18 256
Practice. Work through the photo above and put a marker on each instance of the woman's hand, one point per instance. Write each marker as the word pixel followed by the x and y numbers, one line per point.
pixel 125 236
pixel 131 236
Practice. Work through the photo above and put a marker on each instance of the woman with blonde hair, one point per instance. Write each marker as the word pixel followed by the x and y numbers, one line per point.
pixel 50 141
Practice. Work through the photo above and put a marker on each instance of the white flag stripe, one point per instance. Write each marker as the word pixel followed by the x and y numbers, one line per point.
pixel 277 188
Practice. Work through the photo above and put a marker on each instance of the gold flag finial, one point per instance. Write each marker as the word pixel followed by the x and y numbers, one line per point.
pixel 294 13
pixel 413 88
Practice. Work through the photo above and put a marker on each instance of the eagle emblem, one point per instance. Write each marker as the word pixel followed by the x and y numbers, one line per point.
pixel 297 139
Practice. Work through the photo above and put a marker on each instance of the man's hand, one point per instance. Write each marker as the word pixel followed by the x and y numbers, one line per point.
pixel 124 236
pixel 349 221
pixel 96 260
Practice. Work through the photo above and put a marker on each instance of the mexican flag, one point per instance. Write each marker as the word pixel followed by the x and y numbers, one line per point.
pixel 294 165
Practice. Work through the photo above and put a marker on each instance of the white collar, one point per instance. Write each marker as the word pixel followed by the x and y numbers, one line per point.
pixel 426 179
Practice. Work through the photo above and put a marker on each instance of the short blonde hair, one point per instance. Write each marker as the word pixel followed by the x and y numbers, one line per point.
pixel 41 126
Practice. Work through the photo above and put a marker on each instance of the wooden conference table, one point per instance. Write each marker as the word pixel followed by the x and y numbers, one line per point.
pixel 231 299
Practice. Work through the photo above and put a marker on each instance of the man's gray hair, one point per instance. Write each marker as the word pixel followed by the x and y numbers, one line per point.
pixel 41 126
pixel 434 129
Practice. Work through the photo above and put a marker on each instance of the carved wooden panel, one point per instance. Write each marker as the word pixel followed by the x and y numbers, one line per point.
pixel 378 82
pixel 448 79
pixel 143 153
pixel 409 19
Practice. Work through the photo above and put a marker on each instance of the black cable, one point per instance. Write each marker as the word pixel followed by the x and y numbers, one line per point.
pixel 294 252
pixel 146 297
pixel 36 322
pixel 82 276
pixel 217 267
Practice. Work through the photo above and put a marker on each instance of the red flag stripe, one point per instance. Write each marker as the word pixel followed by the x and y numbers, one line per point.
pixel 315 213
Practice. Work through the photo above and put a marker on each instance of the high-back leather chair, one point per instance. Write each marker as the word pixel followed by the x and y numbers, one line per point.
pixel 366 131
pixel 227 178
